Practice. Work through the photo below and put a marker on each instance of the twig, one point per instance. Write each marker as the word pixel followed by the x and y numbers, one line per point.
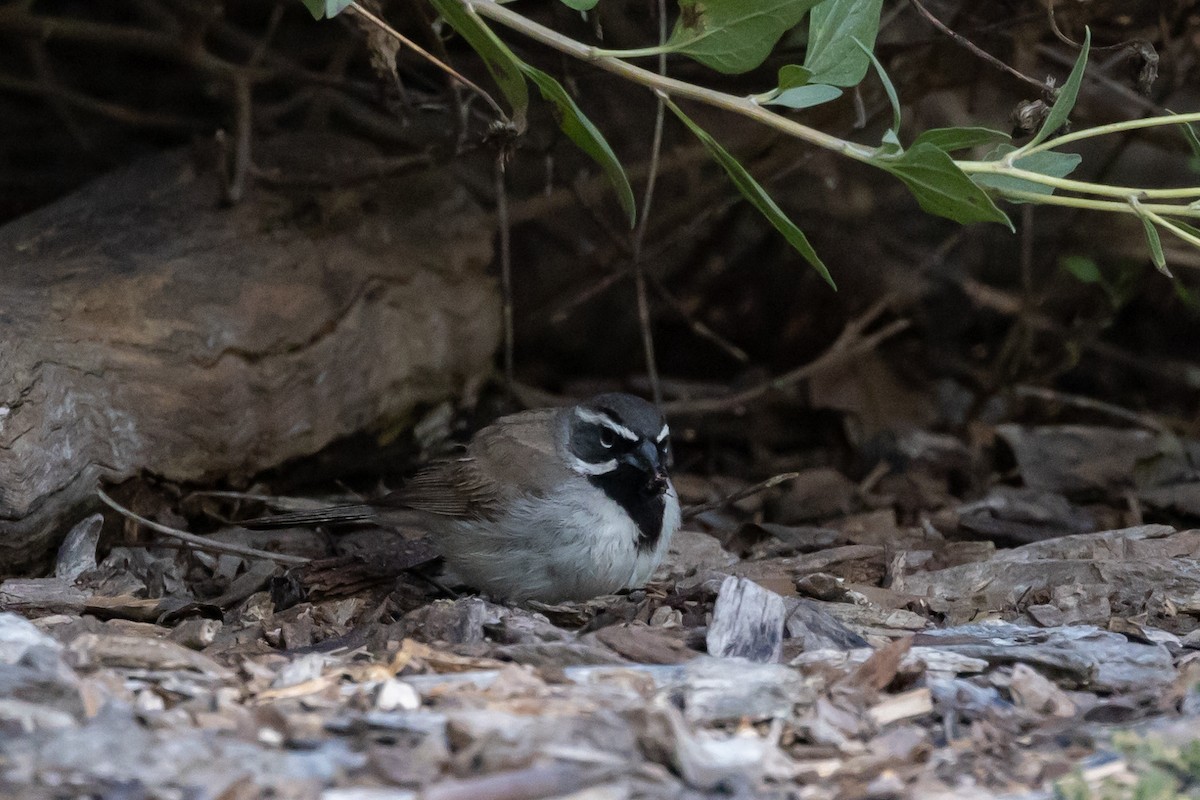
pixel 505 275
pixel 368 170
pixel 563 312
pixel 1067 40
pixel 851 343
pixel 45 73
pixel 428 56
pixel 199 542
pixel 113 111
pixel 1090 404
pixel 741 494
pixel 1126 94
pixel 1181 373
pixel 239 161
pixel 968 44
pixel 639 235
pixel 698 327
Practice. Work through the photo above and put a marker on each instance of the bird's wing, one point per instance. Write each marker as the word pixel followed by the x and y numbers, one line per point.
pixel 511 458
pixel 452 488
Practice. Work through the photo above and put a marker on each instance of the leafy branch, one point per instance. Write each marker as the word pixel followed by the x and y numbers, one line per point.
pixel 736 36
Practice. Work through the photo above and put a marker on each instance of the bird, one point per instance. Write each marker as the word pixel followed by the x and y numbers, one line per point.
pixel 552 504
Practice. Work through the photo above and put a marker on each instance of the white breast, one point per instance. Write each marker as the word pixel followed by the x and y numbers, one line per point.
pixel 572 545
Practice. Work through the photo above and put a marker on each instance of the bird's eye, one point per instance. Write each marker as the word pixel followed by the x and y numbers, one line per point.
pixel 607 438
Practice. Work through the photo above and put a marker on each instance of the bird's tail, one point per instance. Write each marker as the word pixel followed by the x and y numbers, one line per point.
pixel 334 515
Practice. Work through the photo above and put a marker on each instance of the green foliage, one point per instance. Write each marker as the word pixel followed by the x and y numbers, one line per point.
pixel 951 139
pixel 580 130
pixel 1067 95
pixel 1189 134
pixel 326 8
pixel 808 96
pixel 796 91
pixel 1155 244
pixel 1047 162
pixel 733 36
pixel 504 66
pixel 792 77
pixel 941 187
pixel 753 192
pixel 1120 282
pixel 833 56
pixel 1156 771
pixel 888 88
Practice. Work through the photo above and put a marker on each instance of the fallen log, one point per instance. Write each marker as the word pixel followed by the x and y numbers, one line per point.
pixel 146 328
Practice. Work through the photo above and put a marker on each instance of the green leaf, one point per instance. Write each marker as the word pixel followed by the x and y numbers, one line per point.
pixel 1189 133
pixel 887 85
pixel 1156 251
pixel 1085 269
pixel 951 139
pixel 941 187
pixel 753 192
pixel 580 130
pixel 325 8
pixel 504 67
pixel 1192 229
pixel 1067 95
pixel 733 36
pixel 1047 162
pixel 792 76
pixel 832 55
pixel 889 143
pixel 581 5
pixel 805 96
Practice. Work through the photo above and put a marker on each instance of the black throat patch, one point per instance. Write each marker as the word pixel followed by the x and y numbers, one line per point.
pixel 627 487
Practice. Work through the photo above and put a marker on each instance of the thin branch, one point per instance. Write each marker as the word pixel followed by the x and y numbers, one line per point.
pixel 1091 404
pixel 45 73
pixel 639 235
pixel 698 327
pixel 199 542
pixel 505 276
pixel 969 45
pixel 849 345
pixel 1004 167
pixel 1119 206
pixel 1067 40
pixel 113 111
pixel 1114 127
pixel 428 56
pixel 239 161
pixel 692 512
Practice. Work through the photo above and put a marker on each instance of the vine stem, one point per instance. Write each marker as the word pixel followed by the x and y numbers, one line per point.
pixel 1103 130
pixel 676 88
pixel 1006 169
pixel 1119 206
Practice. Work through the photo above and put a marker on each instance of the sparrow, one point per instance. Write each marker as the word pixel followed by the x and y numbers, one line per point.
pixel 550 504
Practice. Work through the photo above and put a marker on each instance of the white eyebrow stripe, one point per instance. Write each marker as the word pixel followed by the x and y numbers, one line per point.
pixel 585 468
pixel 664 433
pixel 596 418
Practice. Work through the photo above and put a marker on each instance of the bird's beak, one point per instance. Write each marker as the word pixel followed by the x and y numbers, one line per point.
pixel 645 458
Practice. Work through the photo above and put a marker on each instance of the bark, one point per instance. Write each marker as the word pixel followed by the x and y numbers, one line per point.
pixel 143 327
